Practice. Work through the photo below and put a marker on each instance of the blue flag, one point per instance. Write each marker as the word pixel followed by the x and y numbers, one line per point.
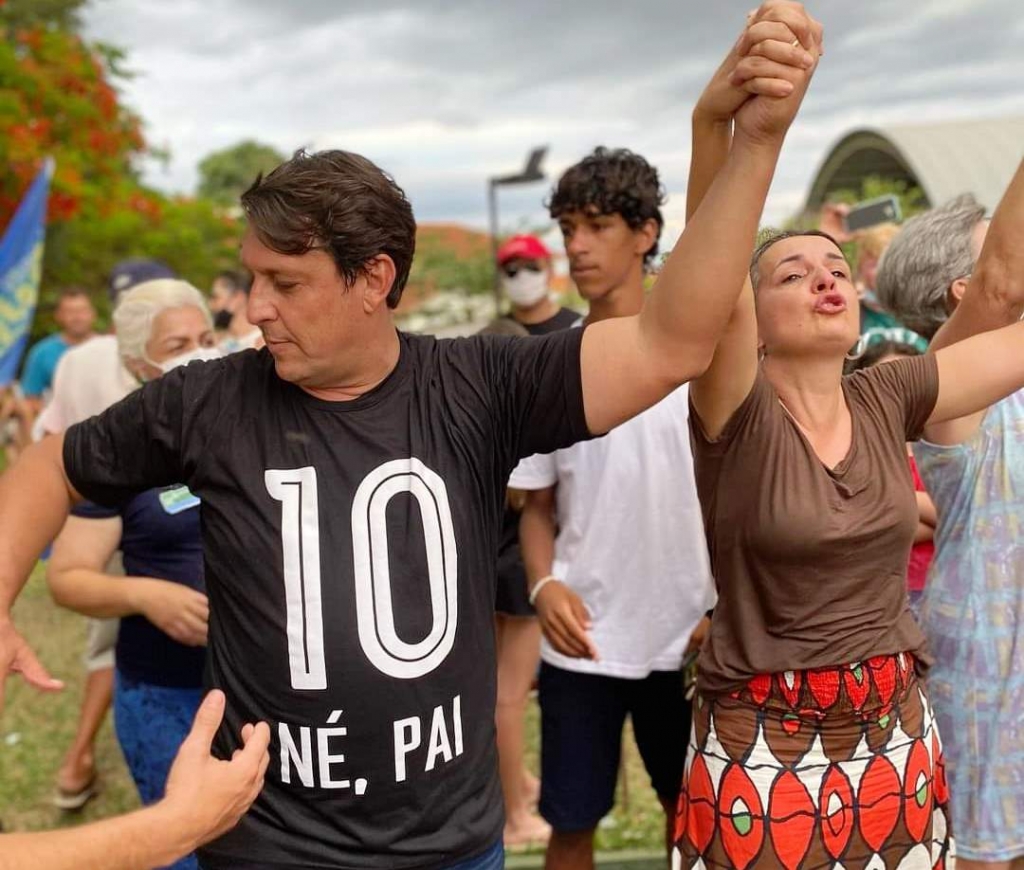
pixel 21 264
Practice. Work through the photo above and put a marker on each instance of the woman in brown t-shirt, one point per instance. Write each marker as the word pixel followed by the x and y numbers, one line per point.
pixel 814 744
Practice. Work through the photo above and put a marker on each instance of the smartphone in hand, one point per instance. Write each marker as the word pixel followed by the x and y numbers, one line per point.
pixel 872 212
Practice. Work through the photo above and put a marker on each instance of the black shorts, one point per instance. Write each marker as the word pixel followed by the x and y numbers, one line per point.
pixel 582 716
pixel 511 596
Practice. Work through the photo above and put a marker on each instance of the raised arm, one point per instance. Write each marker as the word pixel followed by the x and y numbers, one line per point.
pixel 722 388
pixel 35 498
pixel 629 364
pixel 994 296
pixel 978 372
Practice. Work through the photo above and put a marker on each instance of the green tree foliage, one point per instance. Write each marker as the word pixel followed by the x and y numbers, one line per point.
pixel 25 14
pixel 911 197
pixel 440 266
pixel 226 174
pixel 58 98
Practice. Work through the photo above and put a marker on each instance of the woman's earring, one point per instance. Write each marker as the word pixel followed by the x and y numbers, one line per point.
pixel 858 349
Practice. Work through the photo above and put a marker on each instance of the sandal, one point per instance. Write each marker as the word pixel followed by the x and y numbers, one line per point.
pixel 72 801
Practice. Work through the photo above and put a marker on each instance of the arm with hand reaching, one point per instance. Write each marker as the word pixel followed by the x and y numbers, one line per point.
pixel 205 798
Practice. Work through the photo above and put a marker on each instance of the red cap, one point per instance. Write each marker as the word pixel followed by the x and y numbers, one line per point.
pixel 523 248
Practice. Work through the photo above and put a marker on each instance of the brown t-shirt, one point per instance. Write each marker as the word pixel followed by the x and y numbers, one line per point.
pixel 811 562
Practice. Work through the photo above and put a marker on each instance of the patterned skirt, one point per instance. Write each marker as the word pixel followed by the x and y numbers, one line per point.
pixel 835 767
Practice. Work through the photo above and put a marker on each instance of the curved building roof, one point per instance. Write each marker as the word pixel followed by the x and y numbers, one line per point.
pixel 944 160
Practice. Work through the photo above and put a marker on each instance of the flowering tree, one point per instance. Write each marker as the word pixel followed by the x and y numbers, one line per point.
pixel 59 98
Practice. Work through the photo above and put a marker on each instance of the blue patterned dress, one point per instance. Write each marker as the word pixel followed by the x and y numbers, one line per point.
pixel 973 614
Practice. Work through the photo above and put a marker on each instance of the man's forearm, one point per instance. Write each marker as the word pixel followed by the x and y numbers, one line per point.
pixel 96 594
pixel 537 542
pixel 35 498
pixel 995 294
pixel 139 840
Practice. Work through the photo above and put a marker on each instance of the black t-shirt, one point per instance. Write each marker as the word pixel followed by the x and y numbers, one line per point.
pixel 511 571
pixel 565 318
pixel 349 554
pixel 159 538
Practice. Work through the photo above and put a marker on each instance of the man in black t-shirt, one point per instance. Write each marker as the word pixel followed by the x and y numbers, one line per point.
pixel 352 480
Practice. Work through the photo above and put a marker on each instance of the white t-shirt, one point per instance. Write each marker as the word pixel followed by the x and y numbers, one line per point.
pixel 89 379
pixel 631 540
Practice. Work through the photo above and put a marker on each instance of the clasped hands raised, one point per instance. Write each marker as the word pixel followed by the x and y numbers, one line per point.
pixel 762 81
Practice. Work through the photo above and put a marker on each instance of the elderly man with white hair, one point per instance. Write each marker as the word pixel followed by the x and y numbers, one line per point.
pixel 936 279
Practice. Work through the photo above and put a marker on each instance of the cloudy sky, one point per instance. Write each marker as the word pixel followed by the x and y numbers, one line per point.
pixel 444 93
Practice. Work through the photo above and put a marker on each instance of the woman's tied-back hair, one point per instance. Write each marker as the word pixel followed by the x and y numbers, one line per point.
pixel 767 238
pixel 612 181
pixel 337 202
pixel 931 251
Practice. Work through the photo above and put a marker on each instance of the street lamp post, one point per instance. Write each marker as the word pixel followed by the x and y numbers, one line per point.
pixel 532 172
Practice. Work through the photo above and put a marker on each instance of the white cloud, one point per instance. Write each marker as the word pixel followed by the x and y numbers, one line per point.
pixel 444 93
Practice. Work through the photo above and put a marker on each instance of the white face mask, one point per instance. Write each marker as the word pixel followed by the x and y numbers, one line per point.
pixel 527 288
pixel 199 353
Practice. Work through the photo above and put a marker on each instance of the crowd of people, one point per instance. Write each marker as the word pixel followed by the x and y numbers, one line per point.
pixel 767 510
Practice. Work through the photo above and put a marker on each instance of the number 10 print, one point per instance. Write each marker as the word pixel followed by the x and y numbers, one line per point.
pixel 296 489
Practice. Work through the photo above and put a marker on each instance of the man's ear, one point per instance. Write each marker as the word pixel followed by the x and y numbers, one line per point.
pixel 379 277
pixel 646 236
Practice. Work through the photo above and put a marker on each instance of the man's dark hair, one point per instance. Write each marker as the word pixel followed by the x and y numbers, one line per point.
pixel 337 202
pixel 770 237
pixel 237 281
pixel 612 181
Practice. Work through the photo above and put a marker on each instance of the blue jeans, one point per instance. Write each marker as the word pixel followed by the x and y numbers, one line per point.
pixel 492 859
pixel 151 724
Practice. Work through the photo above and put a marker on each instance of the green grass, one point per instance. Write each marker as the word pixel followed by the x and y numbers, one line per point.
pixel 36 729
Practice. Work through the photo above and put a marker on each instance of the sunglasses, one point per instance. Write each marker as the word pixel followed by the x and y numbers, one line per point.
pixel 512 271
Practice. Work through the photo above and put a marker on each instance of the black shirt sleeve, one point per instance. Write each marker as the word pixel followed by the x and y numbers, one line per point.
pixel 142 441
pixel 545 404
pixel 533 387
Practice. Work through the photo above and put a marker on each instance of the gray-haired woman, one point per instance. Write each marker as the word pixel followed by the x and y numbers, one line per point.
pixel 973 467
pixel 161 599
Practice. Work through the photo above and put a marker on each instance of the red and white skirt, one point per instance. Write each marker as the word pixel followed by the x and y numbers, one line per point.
pixel 837 767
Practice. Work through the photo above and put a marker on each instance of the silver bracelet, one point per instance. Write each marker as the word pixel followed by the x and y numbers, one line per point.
pixel 540 584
